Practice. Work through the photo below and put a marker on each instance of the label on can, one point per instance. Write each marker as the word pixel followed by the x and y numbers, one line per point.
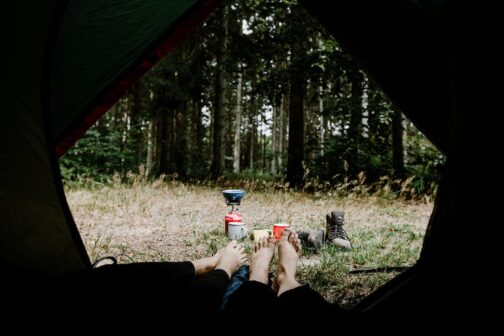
pixel 231 217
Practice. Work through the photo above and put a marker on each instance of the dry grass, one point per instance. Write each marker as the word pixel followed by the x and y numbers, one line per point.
pixel 174 221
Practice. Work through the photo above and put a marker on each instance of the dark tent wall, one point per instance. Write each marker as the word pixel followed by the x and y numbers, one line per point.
pixel 34 231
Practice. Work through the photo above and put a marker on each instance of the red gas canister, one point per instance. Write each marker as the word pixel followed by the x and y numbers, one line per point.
pixel 232 217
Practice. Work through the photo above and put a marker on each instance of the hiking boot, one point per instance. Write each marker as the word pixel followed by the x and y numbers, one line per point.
pixel 335 234
pixel 312 239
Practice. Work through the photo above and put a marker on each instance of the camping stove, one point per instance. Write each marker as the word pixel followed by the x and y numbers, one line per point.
pixel 233 198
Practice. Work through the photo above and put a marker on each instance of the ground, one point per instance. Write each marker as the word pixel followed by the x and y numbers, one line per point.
pixel 175 221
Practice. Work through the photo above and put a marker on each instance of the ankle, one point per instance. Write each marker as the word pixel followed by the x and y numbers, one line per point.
pixel 259 276
pixel 286 284
pixel 202 266
pixel 285 276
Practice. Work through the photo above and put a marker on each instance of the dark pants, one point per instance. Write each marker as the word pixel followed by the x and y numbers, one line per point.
pixel 295 310
pixel 140 298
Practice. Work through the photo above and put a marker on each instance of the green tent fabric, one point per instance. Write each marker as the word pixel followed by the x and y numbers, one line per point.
pixel 34 231
pixel 90 74
pixel 84 66
pixel 67 63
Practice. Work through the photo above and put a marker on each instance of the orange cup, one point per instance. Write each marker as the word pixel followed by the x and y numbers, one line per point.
pixel 278 229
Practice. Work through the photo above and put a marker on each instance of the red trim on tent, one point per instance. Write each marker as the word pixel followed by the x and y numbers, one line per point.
pixel 111 95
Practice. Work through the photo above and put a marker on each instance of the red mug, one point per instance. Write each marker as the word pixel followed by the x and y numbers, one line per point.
pixel 278 229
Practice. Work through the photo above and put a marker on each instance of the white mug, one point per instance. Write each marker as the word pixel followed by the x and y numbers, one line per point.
pixel 237 230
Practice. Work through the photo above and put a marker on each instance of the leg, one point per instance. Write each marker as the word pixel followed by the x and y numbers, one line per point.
pixel 255 297
pixel 263 252
pixel 206 293
pixel 289 248
pixel 93 299
pixel 297 300
pixel 240 277
pixel 206 265
pixel 155 294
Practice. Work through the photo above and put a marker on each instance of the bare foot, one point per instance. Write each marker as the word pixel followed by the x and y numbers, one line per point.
pixel 264 250
pixel 289 248
pixel 231 258
pixel 205 265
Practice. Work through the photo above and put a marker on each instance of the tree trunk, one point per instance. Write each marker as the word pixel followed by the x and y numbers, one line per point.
pixel 151 148
pixel 295 170
pixel 200 128
pixel 180 143
pixel 135 122
pixel 322 121
pixel 355 129
pixel 198 131
pixel 116 112
pixel 313 120
pixel 252 128
pixel 217 166
pixel 263 140
pixel 236 146
pixel 397 144
pixel 121 134
pixel 327 123
pixel 246 127
pixel 284 129
pixel 252 136
pixel 274 140
pixel 374 110
pixel 309 125
pixel 164 140
pixel 172 134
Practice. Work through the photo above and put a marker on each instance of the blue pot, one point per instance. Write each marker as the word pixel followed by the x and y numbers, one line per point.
pixel 233 195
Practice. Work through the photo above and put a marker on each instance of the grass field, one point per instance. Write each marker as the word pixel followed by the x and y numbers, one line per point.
pixel 174 221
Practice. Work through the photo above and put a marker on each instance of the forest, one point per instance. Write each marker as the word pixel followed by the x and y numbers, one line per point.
pixel 260 90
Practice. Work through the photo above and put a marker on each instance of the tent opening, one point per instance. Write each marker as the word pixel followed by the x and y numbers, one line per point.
pixel 253 100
